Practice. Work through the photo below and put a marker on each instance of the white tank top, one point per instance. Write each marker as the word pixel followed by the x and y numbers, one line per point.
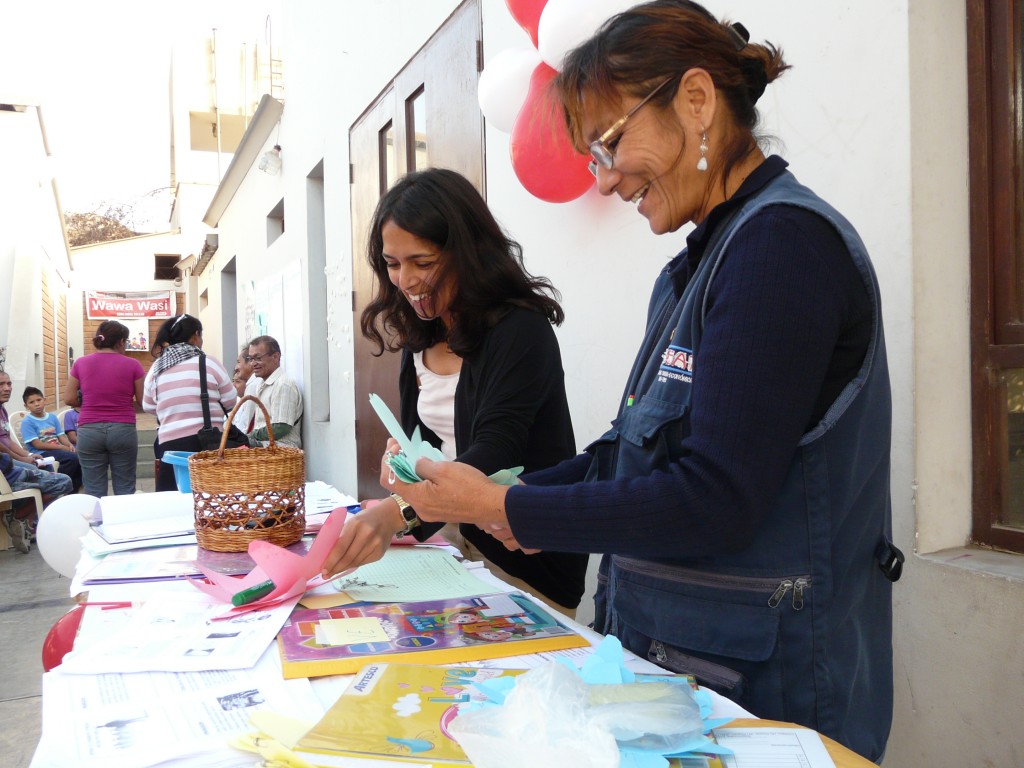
pixel 436 404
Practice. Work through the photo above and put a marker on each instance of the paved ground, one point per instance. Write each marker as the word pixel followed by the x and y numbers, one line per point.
pixel 32 598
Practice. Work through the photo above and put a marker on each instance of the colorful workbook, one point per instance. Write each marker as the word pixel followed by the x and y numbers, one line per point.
pixel 342 640
pixel 398 711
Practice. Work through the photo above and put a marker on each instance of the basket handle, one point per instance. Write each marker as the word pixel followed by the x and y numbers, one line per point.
pixel 231 418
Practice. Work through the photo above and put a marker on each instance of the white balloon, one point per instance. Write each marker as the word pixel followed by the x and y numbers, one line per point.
pixel 60 527
pixel 564 24
pixel 504 84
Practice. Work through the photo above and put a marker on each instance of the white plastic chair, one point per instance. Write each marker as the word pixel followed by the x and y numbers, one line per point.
pixel 7 497
pixel 59 413
pixel 16 418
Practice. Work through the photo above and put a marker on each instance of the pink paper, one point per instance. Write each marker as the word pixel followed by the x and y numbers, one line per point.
pixel 291 573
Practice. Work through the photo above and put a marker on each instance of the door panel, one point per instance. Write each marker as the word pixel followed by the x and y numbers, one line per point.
pixel 427 117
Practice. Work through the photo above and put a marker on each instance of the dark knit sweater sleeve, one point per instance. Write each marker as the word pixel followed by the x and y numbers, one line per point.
pixel 572 470
pixel 777 308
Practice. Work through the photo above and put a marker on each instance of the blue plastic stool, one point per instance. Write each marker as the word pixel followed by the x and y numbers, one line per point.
pixel 179 460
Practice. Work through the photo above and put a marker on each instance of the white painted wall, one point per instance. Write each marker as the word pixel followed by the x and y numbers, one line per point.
pixel 124 265
pixel 960 662
pixel 31 241
pixel 873 116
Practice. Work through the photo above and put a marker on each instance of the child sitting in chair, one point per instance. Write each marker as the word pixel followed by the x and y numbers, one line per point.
pixel 43 433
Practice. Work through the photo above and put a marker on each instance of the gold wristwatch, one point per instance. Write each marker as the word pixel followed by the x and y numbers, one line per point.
pixel 408 514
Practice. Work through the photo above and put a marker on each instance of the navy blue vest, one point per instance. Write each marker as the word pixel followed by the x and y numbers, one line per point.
pixel 797 627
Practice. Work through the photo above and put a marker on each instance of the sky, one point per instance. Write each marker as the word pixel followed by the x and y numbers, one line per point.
pixel 99 70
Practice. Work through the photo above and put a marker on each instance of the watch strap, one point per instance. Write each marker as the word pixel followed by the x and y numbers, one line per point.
pixel 408 514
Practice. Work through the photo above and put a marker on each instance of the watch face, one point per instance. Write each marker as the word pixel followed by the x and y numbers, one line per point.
pixel 408 514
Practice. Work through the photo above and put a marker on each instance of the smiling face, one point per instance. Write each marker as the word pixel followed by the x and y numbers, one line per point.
pixel 655 164
pixel 414 267
pixel 243 367
pixel 264 362
pixel 657 151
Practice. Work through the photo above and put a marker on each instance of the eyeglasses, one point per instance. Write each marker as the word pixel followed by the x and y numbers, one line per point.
pixel 604 155
pixel 257 358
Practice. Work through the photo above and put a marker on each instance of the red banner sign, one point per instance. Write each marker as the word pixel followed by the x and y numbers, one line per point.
pixel 102 305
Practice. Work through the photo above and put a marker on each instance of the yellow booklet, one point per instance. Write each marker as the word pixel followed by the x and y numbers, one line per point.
pixel 398 711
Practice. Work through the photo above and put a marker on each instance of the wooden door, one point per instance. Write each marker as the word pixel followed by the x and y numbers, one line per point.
pixel 427 117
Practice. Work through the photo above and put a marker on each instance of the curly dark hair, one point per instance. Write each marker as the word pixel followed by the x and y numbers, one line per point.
pixel 484 264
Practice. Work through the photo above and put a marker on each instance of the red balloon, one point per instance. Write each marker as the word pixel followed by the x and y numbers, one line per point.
pixel 527 13
pixel 545 161
pixel 61 637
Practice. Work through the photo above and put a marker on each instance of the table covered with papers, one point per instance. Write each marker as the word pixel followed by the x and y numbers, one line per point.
pixel 164 674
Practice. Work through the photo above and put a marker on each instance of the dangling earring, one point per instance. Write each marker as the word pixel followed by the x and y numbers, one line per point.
pixel 702 164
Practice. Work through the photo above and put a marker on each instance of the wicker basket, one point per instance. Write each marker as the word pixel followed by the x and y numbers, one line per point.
pixel 248 494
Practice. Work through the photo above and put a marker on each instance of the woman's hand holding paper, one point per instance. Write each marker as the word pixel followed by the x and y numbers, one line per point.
pixel 365 537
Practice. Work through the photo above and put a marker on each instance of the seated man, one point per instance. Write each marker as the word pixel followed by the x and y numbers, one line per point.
pixel 20 519
pixel 279 394
pixel 43 432
pixel 246 413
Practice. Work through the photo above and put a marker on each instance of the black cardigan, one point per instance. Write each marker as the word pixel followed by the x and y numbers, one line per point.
pixel 510 410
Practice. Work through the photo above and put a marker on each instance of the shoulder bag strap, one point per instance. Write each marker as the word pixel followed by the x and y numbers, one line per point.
pixel 204 396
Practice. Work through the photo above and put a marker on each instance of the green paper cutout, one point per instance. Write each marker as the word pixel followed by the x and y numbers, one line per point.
pixel 414 448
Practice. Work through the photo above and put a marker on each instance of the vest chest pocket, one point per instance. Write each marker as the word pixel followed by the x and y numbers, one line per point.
pixel 651 433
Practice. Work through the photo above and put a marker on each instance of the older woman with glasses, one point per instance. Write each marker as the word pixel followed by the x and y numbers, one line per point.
pixel 741 496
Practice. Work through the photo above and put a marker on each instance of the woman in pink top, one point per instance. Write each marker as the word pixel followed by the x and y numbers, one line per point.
pixel 107 384
pixel 172 391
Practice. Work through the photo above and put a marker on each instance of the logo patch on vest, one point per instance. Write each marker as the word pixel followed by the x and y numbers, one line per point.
pixel 676 364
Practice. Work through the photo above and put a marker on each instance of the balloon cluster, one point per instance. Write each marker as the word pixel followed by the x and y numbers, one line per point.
pixel 515 93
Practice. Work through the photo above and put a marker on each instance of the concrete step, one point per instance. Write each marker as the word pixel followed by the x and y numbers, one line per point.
pixel 145 468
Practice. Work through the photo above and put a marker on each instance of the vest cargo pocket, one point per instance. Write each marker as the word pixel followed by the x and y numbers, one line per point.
pixel 724 680
pixel 725 630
